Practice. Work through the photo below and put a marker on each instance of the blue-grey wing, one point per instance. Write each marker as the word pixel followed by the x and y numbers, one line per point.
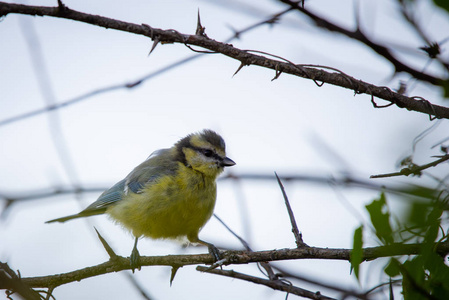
pixel 158 164
pixel 109 197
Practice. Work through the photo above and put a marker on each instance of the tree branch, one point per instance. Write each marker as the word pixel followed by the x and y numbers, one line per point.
pixel 13 281
pixel 346 180
pixel 414 169
pixel 274 284
pixel 244 56
pixel 358 35
pixel 230 257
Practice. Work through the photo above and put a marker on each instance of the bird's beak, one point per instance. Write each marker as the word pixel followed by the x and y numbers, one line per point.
pixel 227 162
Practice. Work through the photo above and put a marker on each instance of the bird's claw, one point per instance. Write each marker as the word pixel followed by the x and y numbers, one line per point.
pixel 214 252
pixel 135 260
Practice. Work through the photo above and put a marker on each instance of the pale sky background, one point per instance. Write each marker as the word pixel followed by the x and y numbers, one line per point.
pixel 289 125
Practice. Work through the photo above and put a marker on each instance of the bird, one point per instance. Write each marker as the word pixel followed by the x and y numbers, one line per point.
pixel 170 195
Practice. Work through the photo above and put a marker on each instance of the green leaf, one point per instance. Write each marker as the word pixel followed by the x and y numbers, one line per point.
pixel 417 215
pixel 392 269
pixel 430 228
pixel 445 84
pixel 438 275
pixel 380 218
pixel 414 286
pixel 357 251
pixel 444 4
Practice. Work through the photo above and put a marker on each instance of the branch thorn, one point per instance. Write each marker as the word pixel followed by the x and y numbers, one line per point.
pixel 239 68
pixel 200 30
pixel 106 246
pixel 174 269
pixel 155 42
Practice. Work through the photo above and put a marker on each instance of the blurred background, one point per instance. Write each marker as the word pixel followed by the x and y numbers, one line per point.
pixel 289 126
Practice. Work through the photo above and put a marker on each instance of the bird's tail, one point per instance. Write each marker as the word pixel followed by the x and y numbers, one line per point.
pixel 76 216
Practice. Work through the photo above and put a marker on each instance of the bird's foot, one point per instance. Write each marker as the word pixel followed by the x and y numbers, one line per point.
pixel 135 260
pixel 214 252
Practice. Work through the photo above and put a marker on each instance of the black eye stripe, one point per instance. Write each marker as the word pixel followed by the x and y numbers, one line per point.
pixel 207 152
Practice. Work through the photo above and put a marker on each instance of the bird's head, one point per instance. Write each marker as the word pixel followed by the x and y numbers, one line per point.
pixel 204 152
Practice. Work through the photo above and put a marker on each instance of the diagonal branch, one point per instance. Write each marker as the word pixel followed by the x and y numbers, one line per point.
pixel 295 230
pixel 244 56
pixel 274 284
pixel 361 37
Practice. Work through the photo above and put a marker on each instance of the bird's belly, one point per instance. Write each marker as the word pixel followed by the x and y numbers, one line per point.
pixel 165 215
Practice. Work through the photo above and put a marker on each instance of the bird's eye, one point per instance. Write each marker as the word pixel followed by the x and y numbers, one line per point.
pixel 208 152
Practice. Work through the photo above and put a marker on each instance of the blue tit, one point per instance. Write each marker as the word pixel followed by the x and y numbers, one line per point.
pixel 170 195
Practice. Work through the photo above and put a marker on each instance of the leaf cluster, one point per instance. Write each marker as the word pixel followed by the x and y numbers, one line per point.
pixel 425 275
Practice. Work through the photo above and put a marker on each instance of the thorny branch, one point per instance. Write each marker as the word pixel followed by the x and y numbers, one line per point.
pixel 244 56
pixel 360 36
pixel 230 257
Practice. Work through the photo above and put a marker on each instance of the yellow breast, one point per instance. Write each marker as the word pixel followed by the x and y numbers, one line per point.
pixel 172 206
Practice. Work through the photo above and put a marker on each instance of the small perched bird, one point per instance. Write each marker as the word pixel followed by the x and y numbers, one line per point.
pixel 170 195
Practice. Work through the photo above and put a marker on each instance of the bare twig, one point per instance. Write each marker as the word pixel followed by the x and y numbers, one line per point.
pixel 271 20
pixel 244 243
pixel 344 181
pixel 274 284
pixel 345 291
pixel 296 233
pixel 11 198
pixel 390 284
pixel 414 169
pixel 264 265
pixel 137 82
pixel 98 91
pixel 432 48
pixel 138 286
pixel 45 85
